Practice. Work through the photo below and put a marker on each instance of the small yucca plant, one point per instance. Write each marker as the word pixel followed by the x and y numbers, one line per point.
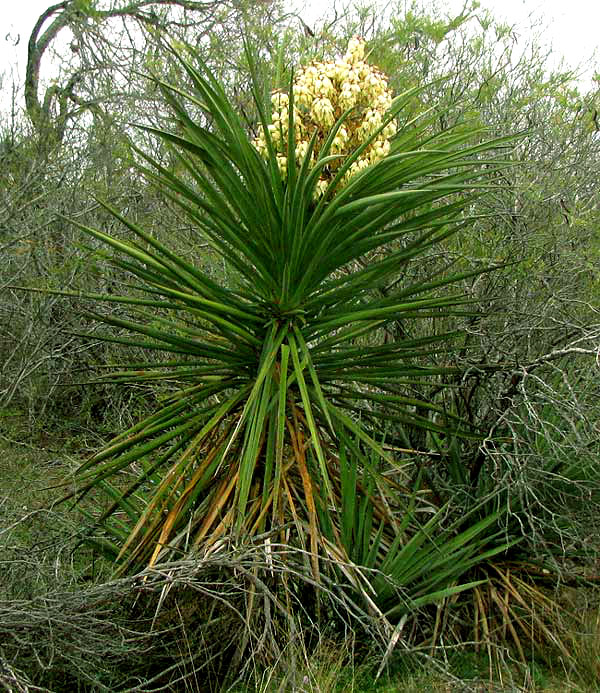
pixel 275 373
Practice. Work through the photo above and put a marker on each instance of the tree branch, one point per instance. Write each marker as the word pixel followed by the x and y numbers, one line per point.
pixel 67 15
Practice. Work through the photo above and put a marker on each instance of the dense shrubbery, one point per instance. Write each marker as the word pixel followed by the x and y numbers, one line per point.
pixel 448 508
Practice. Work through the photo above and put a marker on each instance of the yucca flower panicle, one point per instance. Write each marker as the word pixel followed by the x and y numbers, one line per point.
pixel 322 94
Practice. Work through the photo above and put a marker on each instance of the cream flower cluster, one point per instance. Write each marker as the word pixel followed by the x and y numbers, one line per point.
pixel 322 93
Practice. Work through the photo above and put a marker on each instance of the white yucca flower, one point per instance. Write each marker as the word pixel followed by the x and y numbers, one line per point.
pixel 322 93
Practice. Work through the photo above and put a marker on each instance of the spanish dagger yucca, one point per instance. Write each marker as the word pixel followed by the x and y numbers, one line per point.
pixel 281 368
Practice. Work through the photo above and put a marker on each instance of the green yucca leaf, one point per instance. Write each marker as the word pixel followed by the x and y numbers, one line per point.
pixel 308 411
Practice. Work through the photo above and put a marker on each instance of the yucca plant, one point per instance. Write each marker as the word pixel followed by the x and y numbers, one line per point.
pixel 269 371
pixel 422 558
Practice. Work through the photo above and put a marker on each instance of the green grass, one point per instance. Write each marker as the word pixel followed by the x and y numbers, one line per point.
pixel 37 535
pixel 331 670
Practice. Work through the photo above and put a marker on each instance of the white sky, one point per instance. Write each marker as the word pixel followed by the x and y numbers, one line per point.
pixel 572 26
